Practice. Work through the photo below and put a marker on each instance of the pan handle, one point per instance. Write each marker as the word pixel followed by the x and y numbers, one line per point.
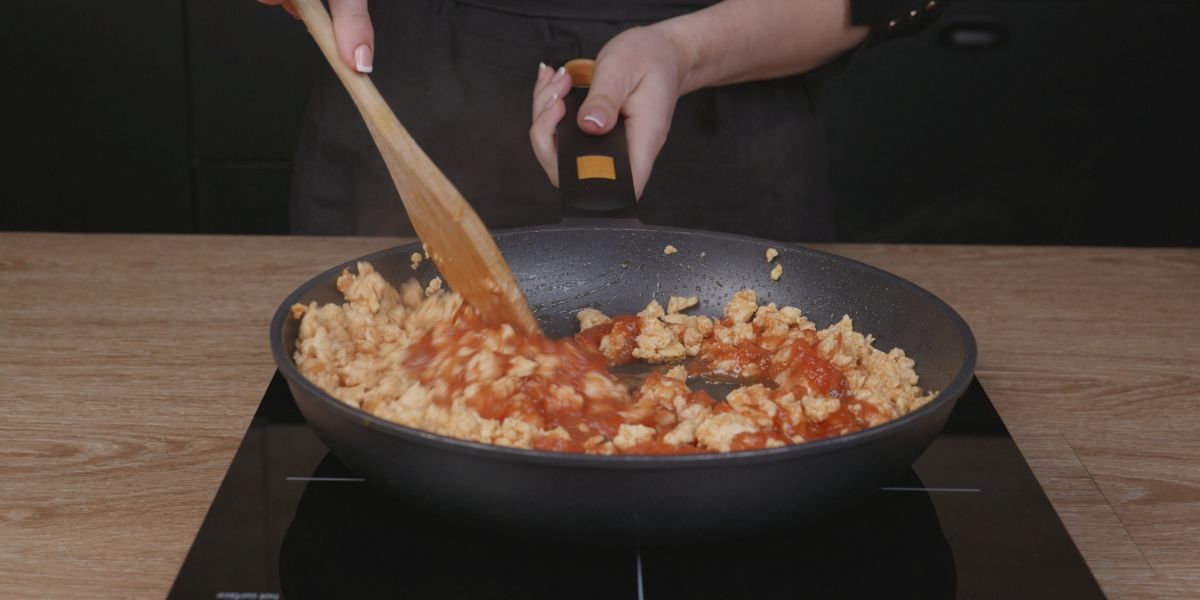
pixel 594 178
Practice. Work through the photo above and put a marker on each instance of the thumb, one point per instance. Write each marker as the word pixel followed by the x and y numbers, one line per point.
pixel 609 90
pixel 354 34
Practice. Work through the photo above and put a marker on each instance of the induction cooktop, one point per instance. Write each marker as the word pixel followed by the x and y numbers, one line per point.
pixel 968 520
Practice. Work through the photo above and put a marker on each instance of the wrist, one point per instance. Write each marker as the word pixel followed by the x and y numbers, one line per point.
pixel 684 53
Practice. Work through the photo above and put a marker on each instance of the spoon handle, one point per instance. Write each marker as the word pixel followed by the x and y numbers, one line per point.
pixel 457 240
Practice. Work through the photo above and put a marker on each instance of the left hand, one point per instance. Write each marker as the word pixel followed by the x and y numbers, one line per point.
pixel 638 75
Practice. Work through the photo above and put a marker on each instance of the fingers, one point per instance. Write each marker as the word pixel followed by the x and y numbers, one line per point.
pixel 548 111
pixel 645 133
pixel 542 134
pixel 633 86
pixel 544 75
pixel 645 97
pixel 354 34
pixel 550 82
pixel 611 86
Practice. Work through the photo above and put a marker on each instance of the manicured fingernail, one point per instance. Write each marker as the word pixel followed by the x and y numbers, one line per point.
pixel 362 59
pixel 541 68
pixel 553 99
pixel 559 75
pixel 595 119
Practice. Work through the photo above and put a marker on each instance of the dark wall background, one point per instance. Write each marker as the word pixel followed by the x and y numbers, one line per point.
pixel 150 115
pixel 1019 121
pixel 1069 122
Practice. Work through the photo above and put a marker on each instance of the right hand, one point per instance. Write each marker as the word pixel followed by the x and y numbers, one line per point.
pixel 351 28
pixel 639 76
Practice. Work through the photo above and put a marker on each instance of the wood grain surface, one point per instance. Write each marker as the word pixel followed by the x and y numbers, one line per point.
pixel 130 367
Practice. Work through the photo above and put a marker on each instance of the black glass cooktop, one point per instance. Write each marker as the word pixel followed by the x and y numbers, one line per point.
pixel 967 521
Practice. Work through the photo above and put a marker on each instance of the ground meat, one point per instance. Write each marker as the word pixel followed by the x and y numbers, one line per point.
pixel 590 317
pixel 657 343
pixel 743 306
pixel 418 356
pixel 678 303
pixel 719 431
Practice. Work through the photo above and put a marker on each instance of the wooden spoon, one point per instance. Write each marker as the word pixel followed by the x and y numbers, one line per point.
pixel 454 236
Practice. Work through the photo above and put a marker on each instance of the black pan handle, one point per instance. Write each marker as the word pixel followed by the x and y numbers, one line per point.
pixel 594 178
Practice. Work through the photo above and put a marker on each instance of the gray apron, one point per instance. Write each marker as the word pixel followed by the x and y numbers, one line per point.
pixel 746 158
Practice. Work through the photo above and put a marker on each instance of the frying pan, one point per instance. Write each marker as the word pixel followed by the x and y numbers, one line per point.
pixel 618 267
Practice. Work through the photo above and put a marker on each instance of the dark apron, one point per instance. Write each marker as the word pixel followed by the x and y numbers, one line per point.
pixel 747 158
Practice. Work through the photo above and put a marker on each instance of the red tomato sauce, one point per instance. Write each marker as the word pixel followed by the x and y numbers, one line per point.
pixel 557 395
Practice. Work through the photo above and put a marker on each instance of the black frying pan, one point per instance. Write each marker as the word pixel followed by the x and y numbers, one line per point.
pixel 619 268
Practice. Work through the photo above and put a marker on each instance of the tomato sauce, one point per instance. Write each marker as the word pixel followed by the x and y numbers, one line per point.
pixel 742 363
pixel 658 447
pixel 438 358
pixel 549 443
pixel 590 338
pixel 756 440
pixel 807 366
pixel 622 332
pixel 453 358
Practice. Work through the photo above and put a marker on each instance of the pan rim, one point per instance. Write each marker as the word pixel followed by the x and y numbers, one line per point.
pixel 947 395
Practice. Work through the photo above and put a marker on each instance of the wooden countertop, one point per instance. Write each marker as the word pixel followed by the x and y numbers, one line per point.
pixel 130 367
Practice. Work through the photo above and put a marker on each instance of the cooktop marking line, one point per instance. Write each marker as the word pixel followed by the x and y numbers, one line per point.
pixel 330 479
pixel 925 489
pixel 641 588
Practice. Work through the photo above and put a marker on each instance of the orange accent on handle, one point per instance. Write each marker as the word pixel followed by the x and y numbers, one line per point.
pixel 596 167
pixel 581 70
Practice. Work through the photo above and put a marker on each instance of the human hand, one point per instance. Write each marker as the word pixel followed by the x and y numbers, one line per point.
pixel 351 28
pixel 639 75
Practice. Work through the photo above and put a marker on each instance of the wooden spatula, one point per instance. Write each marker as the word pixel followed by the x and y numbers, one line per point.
pixel 455 238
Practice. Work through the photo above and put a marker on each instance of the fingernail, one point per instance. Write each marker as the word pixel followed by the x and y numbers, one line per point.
pixel 559 75
pixel 362 59
pixel 594 118
pixel 541 68
pixel 553 99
